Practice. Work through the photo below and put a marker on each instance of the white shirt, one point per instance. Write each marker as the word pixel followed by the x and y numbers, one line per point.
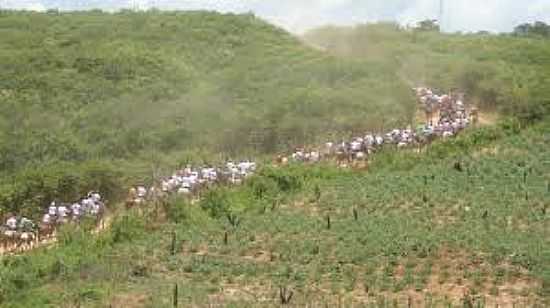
pixel 186 183
pixel 96 197
pixel 165 186
pixel 62 211
pixel 46 218
pixel 52 210
pixel 95 209
pixel 12 223
pixel 141 191
pixel 76 209
pixel 356 146
pixel 243 166
pixel 87 204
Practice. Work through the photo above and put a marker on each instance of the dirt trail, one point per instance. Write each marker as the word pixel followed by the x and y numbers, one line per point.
pixel 487 118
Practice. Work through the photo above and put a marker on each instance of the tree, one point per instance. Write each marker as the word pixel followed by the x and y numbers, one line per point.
pixel 428 25
pixel 537 28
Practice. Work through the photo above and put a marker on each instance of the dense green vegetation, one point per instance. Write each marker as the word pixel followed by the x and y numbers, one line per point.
pixel 418 230
pixel 92 85
pixel 134 93
pixel 146 89
pixel 537 29
pixel 498 72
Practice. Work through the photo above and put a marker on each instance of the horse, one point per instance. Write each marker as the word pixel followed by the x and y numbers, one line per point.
pixel 6 237
pixel 26 240
pixel 129 203
pixel 360 161
pixel 12 237
pixel 474 116
pixel 343 158
pixel 184 191
pixel 46 230
pixel 328 149
pixel 100 211
pixel 281 160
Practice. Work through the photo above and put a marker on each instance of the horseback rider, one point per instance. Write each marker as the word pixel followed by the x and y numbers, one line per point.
pixel 63 212
pixel 52 210
pixel 46 219
pixel 11 223
pixel 26 225
pixel 76 210
pixel 141 192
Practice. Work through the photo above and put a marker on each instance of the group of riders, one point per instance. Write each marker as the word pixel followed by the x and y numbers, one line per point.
pixel 446 116
pixel 451 117
pixel 190 181
pixel 22 232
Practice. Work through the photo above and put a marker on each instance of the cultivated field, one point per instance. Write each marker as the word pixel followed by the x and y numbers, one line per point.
pixel 439 228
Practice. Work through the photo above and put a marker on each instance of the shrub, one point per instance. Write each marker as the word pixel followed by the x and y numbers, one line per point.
pixel 288 180
pixel 216 202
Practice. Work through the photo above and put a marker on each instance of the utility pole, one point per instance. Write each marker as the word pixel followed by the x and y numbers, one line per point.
pixel 441 15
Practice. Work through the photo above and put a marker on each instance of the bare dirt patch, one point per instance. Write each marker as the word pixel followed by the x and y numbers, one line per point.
pixel 487 118
pixel 129 300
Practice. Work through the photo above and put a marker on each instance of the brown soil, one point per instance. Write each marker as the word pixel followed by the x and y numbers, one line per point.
pixel 131 300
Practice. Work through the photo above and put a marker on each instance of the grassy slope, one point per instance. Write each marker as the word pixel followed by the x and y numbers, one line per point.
pixel 133 94
pixel 483 230
pixel 80 86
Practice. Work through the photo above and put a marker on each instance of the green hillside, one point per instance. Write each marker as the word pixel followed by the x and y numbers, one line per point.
pixel 131 93
pixel 503 73
pixel 92 100
pixel 92 85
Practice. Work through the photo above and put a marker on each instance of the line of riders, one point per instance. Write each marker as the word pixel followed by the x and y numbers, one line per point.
pixel 21 233
pixel 449 110
pixel 190 181
pixel 452 117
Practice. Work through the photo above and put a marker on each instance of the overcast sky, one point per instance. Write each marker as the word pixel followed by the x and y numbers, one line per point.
pixel 300 15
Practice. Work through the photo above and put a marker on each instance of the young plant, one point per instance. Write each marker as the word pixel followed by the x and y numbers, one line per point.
pixel 173 244
pixel 285 295
pixel 175 296
pixel 234 220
